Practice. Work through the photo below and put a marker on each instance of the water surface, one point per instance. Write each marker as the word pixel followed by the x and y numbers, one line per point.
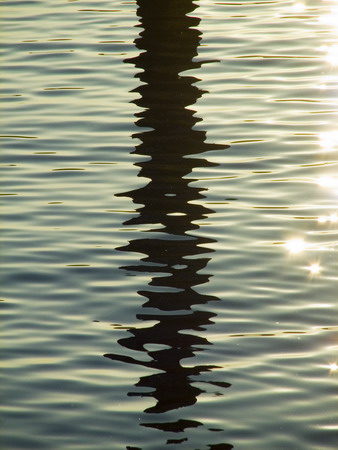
pixel 169 253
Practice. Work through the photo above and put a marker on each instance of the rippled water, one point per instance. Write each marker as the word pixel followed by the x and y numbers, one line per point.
pixel 170 240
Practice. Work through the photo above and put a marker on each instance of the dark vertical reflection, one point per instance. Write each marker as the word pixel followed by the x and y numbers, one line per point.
pixel 170 252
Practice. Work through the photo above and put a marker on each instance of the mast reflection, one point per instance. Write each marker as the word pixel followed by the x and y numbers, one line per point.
pixel 176 258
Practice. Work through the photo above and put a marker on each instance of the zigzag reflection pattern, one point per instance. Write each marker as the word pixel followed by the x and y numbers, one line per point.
pixel 176 258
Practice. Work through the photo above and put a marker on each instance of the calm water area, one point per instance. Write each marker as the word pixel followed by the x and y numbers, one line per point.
pixel 170 224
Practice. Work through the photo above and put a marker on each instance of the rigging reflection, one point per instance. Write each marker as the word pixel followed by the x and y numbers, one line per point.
pixel 173 255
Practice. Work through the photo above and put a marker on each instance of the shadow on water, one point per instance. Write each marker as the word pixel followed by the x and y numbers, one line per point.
pixel 172 256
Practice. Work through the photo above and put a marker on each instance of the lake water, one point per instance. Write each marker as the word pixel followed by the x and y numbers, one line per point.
pixel 170 237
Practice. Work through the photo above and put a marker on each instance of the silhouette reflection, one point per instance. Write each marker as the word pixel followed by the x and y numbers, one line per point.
pixel 176 258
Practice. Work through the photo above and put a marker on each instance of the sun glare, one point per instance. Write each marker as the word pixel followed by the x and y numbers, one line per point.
pixel 332 54
pixel 329 140
pixel 331 18
pixel 333 367
pixel 328 182
pixel 298 7
pixel 314 268
pixel 296 245
pixel 332 218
